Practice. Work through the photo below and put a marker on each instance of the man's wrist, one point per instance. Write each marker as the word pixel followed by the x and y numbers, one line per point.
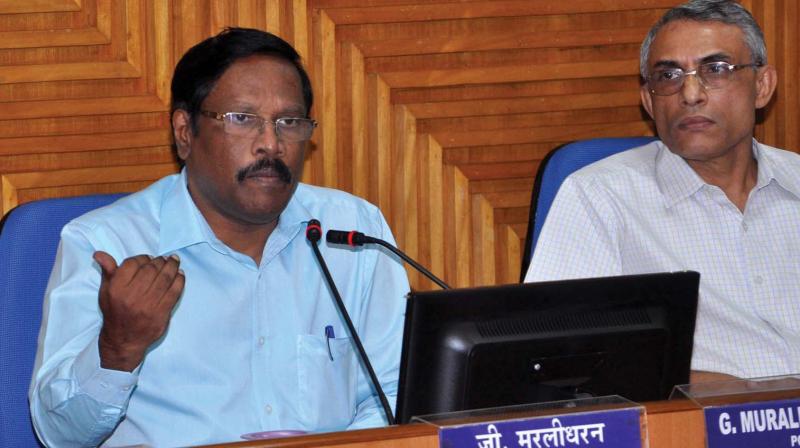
pixel 113 357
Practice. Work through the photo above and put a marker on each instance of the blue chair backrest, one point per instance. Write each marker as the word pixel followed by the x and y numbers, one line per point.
pixel 29 238
pixel 555 167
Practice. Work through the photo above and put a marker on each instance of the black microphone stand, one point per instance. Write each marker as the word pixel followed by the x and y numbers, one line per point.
pixel 354 238
pixel 313 234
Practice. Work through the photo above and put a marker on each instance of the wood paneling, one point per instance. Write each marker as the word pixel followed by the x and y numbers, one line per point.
pixel 438 111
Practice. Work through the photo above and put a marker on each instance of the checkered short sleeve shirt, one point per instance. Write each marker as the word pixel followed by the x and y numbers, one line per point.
pixel 645 210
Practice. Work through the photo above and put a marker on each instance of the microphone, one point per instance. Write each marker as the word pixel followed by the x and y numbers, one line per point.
pixel 354 238
pixel 314 234
pixel 313 231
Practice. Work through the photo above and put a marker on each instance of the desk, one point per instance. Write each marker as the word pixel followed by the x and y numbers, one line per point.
pixel 670 424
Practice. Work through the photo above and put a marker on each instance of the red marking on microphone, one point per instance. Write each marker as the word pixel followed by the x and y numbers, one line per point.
pixel 311 227
pixel 350 237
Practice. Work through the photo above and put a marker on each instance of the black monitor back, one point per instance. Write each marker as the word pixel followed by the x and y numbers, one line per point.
pixel 524 343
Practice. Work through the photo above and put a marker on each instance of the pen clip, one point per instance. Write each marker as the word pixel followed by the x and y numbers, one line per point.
pixel 329 334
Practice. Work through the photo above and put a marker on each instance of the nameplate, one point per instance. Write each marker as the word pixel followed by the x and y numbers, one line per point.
pixel 769 423
pixel 618 428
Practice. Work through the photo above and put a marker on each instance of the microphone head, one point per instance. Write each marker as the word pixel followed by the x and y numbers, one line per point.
pixel 351 238
pixel 313 231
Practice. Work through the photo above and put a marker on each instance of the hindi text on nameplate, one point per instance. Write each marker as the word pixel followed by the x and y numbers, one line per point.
pixel 618 428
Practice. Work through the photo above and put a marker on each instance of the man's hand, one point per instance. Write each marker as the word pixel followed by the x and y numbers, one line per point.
pixel 136 299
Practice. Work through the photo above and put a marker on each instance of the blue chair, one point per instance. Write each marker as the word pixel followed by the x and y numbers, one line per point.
pixel 555 167
pixel 29 236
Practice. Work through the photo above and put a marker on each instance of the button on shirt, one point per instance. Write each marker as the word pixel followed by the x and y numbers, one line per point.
pixel 246 348
pixel 645 210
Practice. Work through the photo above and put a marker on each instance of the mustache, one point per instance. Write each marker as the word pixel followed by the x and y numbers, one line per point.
pixel 283 172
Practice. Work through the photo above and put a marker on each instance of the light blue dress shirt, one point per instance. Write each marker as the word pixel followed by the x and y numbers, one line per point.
pixel 246 348
pixel 646 210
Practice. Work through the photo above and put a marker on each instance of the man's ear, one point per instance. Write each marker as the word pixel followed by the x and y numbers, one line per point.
pixel 766 81
pixel 647 99
pixel 182 133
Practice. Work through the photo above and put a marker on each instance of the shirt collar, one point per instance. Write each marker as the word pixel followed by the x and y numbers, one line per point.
pixel 676 179
pixel 296 213
pixel 182 224
pixel 769 170
pixel 291 222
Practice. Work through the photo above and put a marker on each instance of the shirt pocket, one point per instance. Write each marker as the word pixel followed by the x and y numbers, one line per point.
pixel 327 386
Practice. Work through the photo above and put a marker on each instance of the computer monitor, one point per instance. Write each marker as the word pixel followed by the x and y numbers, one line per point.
pixel 495 346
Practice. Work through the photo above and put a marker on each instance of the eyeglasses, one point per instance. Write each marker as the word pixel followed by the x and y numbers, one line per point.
pixel 242 124
pixel 713 75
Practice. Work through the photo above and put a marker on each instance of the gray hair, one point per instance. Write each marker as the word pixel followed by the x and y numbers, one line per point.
pixel 725 11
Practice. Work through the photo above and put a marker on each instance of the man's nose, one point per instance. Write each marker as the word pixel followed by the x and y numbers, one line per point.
pixel 693 92
pixel 267 140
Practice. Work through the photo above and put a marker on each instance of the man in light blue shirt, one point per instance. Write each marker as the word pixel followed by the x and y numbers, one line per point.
pixel 194 311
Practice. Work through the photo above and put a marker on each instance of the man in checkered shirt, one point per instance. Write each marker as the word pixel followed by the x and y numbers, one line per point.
pixel 707 197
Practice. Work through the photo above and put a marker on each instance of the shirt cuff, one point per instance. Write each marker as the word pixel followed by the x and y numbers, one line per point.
pixel 112 387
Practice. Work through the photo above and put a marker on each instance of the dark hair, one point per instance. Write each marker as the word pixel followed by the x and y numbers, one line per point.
pixel 201 67
pixel 725 11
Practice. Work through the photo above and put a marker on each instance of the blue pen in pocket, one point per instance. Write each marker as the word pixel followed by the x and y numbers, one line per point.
pixel 328 336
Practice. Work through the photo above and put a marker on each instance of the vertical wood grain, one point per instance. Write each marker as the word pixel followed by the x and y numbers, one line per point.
pixel 380 138
pixel 324 79
pixel 483 246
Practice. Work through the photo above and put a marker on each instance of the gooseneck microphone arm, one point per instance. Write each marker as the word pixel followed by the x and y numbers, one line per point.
pixel 313 234
pixel 354 238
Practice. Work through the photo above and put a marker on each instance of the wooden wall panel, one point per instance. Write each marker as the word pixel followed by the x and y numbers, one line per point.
pixel 438 111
